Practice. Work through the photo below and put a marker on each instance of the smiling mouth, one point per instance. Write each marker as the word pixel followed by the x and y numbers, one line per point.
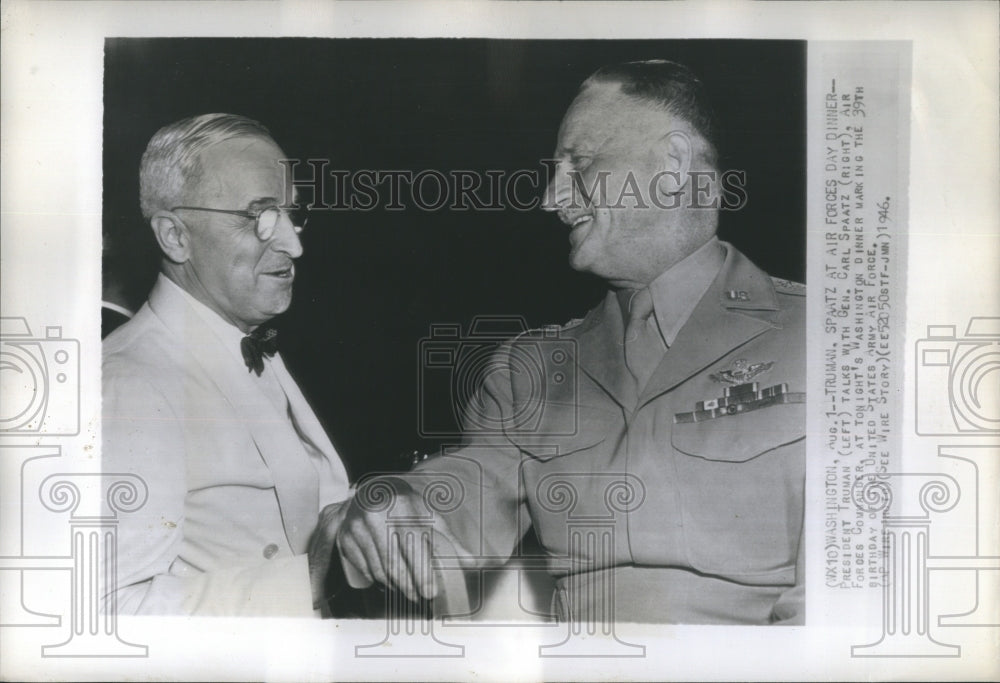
pixel 575 222
pixel 578 227
pixel 283 273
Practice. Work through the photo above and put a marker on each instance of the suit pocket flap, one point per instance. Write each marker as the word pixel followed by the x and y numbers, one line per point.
pixel 741 437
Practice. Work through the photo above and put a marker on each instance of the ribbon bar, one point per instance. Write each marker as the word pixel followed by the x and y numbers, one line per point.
pixel 740 399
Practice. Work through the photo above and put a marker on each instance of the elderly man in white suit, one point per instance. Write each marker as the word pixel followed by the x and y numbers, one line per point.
pixel 245 488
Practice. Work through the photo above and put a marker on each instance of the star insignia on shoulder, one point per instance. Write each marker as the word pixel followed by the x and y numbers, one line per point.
pixel 741 371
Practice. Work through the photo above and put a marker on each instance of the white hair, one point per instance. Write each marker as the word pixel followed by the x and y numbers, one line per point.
pixel 171 159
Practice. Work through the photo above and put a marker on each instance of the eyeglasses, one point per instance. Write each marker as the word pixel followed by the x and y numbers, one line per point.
pixel 265 220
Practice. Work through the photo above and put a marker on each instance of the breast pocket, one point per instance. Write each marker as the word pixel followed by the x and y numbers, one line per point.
pixel 741 437
pixel 741 480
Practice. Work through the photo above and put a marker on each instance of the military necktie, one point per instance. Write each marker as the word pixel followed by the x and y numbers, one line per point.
pixel 644 346
pixel 263 341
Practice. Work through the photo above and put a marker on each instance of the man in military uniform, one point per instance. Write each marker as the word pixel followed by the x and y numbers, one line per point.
pixel 663 467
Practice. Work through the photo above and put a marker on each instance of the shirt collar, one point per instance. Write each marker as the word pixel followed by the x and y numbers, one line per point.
pixel 225 331
pixel 677 291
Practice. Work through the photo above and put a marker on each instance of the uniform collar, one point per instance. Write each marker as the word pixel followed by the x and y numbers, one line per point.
pixel 737 305
pixel 677 291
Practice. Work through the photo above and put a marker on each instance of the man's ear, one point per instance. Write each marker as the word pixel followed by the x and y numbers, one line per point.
pixel 676 152
pixel 172 236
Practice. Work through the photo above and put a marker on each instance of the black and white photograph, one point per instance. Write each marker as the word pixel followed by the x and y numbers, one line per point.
pixel 498 341
pixel 456 221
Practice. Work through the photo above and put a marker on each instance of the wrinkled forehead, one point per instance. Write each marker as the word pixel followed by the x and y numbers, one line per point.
pixel 244 170
pixel 602 114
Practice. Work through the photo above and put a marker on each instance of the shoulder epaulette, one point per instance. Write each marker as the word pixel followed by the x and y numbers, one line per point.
pixel 784 286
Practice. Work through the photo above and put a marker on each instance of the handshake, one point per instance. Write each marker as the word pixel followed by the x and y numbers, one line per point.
pixel 399 531
pixel 385 551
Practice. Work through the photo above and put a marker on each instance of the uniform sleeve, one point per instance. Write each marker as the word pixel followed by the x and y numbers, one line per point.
pixel 489 515
pixel 143 436
pixel 790 609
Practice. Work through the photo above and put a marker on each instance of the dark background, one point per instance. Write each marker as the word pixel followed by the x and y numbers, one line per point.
pixel 372 282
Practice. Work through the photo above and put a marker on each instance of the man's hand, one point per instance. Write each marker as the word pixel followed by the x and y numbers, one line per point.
pixel 402 560
pixel 321 548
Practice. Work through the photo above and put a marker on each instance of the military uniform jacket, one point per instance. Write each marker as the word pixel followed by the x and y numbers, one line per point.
pixel 676 503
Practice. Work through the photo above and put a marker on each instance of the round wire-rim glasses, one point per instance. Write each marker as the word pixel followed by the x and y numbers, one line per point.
pixel 265 219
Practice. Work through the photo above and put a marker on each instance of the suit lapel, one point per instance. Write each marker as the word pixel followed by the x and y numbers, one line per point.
pixel 738 306
pixel 308 423
pixel 295 481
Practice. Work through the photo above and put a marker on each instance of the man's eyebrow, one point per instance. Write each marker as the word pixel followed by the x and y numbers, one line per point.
pixel 574 148
pixel 262 202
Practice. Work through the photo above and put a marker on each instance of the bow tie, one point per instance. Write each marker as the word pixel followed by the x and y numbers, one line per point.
pixel 259 343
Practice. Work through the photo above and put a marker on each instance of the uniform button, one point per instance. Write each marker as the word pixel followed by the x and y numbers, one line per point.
pixel 270 550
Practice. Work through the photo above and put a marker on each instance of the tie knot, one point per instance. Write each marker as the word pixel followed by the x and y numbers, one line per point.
pixel 262 342
pixel 640 304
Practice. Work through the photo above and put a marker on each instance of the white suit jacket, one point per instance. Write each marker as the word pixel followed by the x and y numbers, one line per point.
pixel 233 493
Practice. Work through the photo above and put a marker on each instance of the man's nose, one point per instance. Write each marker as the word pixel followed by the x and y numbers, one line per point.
pixel 557 190
pixel 286 237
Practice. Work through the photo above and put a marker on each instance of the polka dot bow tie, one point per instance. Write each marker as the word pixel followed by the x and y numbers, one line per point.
pixel 259 343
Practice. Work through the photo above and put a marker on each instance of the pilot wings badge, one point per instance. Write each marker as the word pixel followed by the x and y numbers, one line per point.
pixel 741 371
